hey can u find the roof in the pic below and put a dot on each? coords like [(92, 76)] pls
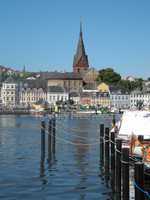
[(61, 76), (74, 94), (10, 80), (80, 56), (38, 83), (55, 89)]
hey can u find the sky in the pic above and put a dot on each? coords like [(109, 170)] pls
[(43, 34)]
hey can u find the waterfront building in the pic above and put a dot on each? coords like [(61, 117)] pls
[(139, 96), (29, 96), (119, 100), (71, 82), (96, 96), (9, 92), (103, 95), (80, 62), (56, 94)]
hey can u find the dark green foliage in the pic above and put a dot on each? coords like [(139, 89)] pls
[(108, 76), (112, 78)]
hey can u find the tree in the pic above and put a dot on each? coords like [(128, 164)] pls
[(108, 76)]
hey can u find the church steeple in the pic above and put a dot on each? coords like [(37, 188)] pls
[(80, 62)]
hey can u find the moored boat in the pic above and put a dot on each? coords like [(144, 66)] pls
[(134, 129)]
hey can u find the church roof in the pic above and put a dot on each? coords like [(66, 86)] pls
[(80, 58), (61, 76)]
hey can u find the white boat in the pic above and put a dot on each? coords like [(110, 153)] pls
[(134, 122), (132, 125)]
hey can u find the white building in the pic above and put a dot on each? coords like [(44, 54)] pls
[(28, 96), (120, 100), (9, 93), (138, 96), (55, 94)]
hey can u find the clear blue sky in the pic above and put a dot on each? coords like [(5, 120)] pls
[(43, 34)]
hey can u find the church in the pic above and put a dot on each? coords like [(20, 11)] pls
[(81, 73)]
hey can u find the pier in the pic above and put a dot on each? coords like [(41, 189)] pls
[(123, 174)]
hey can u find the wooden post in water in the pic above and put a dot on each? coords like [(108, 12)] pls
[(42, 140), (102, 145), (107, 153), (49, 139), (139, 180), (54, 133), (113, 160), (118, 167), (125, 173)]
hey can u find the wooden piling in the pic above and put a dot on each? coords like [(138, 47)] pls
[(118, 167), (53, 134), (125, 173), (102, 145), (49, 139), (107, 153), (42, 140), (139, 180), (112, 160)]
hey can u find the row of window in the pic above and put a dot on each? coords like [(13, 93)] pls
[(120, 105), (8, 86), (7, 93), (120, 97), (57, 98), (140, 95), (9, 98)]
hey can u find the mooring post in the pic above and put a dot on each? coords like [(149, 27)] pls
[(42, 140), (49, 139), (54, 133), (118, 167), (102, 145), (113, 160), (139, 180), (107, 153), (125, 173)]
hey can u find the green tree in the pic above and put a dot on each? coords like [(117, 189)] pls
[(108, 76)]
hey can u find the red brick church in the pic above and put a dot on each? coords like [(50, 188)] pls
[(80, 63)]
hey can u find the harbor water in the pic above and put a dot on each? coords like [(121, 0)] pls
[(74, 173)]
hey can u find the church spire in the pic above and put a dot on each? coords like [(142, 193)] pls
[(80, 59)]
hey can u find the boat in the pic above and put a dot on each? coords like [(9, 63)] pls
[(134, 130)]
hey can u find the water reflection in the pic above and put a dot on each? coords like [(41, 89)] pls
[(81, 151), (73, 176)]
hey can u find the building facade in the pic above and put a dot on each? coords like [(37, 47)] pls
[(119, 100), (28, 96), (69, 81), (56, 94), (139, 96), (9, 93)]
